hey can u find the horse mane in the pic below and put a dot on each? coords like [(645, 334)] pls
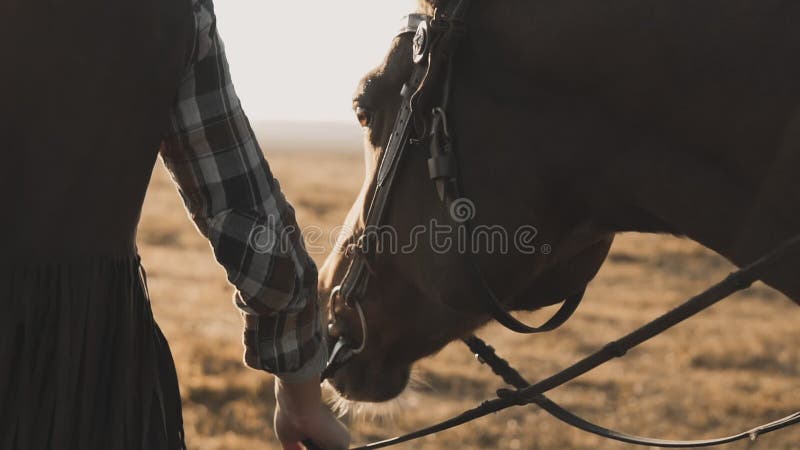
[(427, 6)]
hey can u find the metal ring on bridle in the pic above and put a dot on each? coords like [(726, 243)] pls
[(336, 292), (363, 320)]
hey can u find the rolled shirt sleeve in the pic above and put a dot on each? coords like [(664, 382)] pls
[(232, 197)]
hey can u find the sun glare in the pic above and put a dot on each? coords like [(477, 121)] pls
[(297, 60)]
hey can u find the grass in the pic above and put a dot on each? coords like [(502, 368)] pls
[(731, 368)]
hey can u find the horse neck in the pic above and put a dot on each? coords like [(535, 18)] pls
[(679, 191), (642, 152)]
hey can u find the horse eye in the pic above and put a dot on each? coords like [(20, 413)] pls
[(364, 117)]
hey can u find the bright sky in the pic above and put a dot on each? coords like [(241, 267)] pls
[(301, 60)]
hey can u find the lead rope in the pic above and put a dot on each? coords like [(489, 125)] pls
[(526, 394), (487, 355)]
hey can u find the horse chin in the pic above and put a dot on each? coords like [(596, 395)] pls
[(371, 384), (370, 408)]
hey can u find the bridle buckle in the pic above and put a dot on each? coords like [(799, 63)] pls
[(344, 349), (421, 42)]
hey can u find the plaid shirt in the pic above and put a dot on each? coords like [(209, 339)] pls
[(236, 203)]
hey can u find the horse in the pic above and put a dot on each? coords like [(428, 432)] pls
[(575, 120)]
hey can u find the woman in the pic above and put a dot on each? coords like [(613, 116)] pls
[(97, 87)]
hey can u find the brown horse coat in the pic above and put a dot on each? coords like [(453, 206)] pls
[(585, 119)]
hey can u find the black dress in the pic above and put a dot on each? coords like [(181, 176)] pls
[(87, 88), (82, 363)]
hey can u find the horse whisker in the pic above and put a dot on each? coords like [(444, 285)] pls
[(383, 412)]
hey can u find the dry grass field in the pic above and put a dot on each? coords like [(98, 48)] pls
[(733, 367)]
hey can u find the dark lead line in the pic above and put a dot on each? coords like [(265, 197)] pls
[(526, 394)]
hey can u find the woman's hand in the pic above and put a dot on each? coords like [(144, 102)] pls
[(300, 414)]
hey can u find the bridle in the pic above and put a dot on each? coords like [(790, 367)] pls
[(435, 43)]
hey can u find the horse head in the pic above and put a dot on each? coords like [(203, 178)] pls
[(532, 244)]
